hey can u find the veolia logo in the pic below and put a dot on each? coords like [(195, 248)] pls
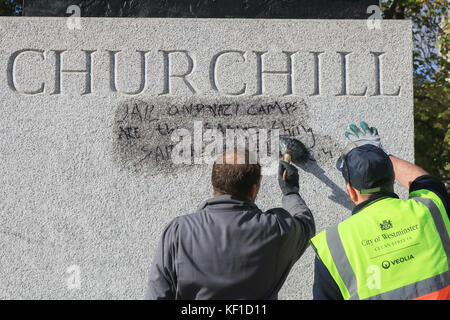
[(386, 264)]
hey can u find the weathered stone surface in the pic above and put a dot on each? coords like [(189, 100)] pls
[(87, 115)]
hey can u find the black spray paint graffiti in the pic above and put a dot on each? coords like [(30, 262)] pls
[(143, 129)]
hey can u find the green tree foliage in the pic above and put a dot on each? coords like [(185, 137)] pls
[(10, 7), (431, 80)]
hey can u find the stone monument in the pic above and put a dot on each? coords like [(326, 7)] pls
[(90, 107)]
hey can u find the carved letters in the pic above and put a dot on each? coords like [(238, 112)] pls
[(258, 61)]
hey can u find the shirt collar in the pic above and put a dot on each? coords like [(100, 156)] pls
[(227, 202), (372, 200)]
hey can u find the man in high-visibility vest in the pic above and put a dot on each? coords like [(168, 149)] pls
[(389, 248)]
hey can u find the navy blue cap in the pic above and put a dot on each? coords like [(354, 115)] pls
[(367, 168)]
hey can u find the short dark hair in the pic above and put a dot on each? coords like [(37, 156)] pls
[(235, 177)]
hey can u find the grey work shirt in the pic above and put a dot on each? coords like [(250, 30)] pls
[(230, 249)]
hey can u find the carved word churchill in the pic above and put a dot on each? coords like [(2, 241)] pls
[(257, 61)]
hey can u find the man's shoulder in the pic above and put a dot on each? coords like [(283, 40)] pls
[(255, 216), (428, 182), (182, 220), (427, 186), (188, 218), (181, 225), (278, 211)]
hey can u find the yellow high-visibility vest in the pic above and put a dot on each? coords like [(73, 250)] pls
[(391, 249)]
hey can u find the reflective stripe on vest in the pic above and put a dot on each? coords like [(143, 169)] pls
[(341, 261), (436, 287)]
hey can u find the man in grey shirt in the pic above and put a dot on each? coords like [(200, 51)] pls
[(229, 248)]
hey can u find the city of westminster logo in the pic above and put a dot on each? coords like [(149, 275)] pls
[(386, 225)]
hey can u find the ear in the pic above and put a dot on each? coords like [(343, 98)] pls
[(255, 189), (254, 192), (352, 193)]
